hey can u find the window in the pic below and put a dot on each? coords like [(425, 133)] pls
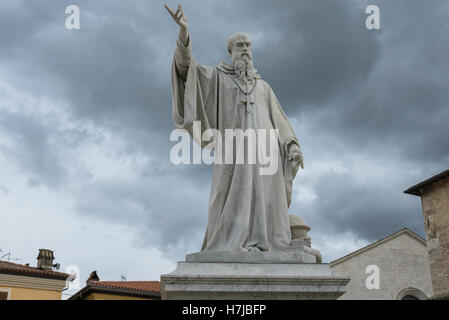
[(409, 297), (4, 295), (411, 294)]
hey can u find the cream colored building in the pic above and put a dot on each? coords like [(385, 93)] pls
[(393, 268), (22, 282)]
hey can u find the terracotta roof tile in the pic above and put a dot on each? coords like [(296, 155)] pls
[(20, 269), (143, 286)]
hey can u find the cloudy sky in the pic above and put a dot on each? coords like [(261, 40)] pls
[(85, 120)]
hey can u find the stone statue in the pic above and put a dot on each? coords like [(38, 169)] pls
[(247, 211)]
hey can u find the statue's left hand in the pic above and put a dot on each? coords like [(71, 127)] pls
[(295, 154)]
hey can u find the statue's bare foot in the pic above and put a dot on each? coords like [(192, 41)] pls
[(253, 249)]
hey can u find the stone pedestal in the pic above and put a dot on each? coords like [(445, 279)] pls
[(292, 255), (265, 276)]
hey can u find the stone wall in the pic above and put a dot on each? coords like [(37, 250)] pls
[(403, 264), (435, 203)]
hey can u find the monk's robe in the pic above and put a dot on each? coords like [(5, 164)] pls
[(246, 209)]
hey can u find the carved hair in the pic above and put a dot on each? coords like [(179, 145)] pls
[(233, 38)]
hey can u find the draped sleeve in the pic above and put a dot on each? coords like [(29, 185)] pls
[(286, 138), (195, 92)]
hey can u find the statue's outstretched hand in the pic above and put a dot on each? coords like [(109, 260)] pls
[(179, 16), (295, 155)]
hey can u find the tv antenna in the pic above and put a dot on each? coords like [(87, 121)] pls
[(2, 256)]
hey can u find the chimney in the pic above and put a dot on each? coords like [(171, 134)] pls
[(45, 259)]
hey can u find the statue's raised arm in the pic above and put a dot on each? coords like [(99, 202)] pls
[(181, 19), (183, 51)]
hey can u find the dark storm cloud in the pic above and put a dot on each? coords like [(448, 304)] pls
[(32, 149), (106, 71), (113, 68), (381, 93), (165, 211), (402, 106), (41, 147), (345, 204)]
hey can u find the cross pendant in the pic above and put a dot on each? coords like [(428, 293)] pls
[(249, 104)]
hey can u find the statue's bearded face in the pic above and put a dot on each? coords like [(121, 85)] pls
[(241, 47), (241, 56)]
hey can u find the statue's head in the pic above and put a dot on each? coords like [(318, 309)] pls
[(239, 44), (239, 48)]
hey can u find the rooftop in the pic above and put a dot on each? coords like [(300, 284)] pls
[(417, 189), (25, 270), (143, 286), (138, 289)]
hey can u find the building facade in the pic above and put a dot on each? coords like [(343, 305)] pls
[(22, 282), (393, 268), (434, 193)]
